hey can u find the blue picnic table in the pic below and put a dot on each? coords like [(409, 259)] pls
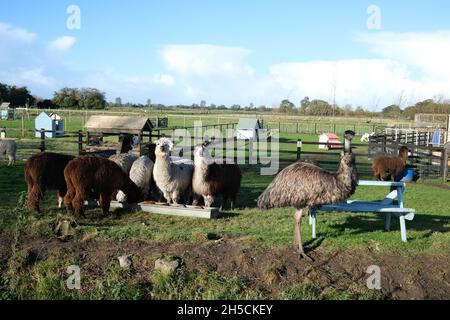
[(384, 206)]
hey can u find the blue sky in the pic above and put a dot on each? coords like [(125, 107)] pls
[(230, 51)]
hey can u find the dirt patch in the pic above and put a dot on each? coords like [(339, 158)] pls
[(271, 270)]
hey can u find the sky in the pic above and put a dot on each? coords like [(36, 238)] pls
[(359, 53)]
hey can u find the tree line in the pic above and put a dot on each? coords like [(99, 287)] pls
[(91, 99)]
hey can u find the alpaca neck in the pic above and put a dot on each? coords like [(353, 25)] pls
[(162, 164)]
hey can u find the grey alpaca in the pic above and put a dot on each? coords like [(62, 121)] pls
[(8, 147)]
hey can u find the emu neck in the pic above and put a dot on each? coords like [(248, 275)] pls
[(345, 175)]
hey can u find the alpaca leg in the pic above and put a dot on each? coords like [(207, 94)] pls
[(195, 200), (209, 200), (105, 202), (33, 198), (78, 201), (61, 194), (298, 235), (167, 197), (175, 197)]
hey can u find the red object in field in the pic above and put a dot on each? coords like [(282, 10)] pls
[(328, 139)]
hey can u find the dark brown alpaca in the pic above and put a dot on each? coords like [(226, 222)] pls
[(385, 168), (304, 185), (45, 171), (211, 179), (87, 176)]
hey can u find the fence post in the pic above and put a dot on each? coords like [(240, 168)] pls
[(80, 142), (42, 146), (297, 127), (444, 164), (299, 149), (315, 128)]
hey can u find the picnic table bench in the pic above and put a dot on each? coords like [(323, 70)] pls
[(385, 206)]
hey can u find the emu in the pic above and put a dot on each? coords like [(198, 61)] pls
[(304, 185)]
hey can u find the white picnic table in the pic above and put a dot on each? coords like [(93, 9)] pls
[(385, 206)]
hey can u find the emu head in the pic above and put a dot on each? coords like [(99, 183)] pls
[(349, 135), (163, 147)]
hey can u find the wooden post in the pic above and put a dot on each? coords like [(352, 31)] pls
[(80, 142), (444, 164), (42, 145), (315, 128), (23, 133), (299, 149), (297, 128)]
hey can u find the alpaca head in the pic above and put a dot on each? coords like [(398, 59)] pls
[(201, 151), (403, 152), (163, 147)]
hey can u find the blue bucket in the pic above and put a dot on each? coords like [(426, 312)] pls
[(407, 175)]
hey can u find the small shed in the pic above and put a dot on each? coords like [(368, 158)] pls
[(6, 113), (248, 129), (328, 138), (125, 127), (52, 123)]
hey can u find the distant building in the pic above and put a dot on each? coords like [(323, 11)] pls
[(52, 123), (6, 113), (248, 129), (328, 138)]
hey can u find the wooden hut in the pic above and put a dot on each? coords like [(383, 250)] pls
[(125, 127)]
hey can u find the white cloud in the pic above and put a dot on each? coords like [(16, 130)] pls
[(27, 77), (204, 60), (62, 44), (9, 34), (428, 52)]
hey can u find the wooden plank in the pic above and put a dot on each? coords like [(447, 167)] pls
[(172, 210)]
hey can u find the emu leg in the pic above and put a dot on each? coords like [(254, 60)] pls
[(298, 235)]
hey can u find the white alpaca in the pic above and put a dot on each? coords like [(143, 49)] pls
[(124, 160), (141, 174), (8, 147), (173, 178), (366, 137)]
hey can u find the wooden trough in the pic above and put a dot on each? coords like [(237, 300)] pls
[(170, 209)]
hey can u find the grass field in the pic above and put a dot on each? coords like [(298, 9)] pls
[(245, 254)]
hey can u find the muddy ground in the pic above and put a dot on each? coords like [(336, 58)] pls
[(402, 277)]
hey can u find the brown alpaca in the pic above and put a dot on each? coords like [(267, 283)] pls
[(385, 168), (45, 171), (87, 176)]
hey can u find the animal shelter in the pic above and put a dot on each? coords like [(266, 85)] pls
[(6, 113), (130, 131), (327, 141), (248, 129), (52, 123)]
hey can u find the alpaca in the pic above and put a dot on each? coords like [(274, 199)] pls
[(124, 160), (87, 176), (8, 147), (304, 185), (211, 179), (174, 179), (385, 167), (141, 174), (45, 171)]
